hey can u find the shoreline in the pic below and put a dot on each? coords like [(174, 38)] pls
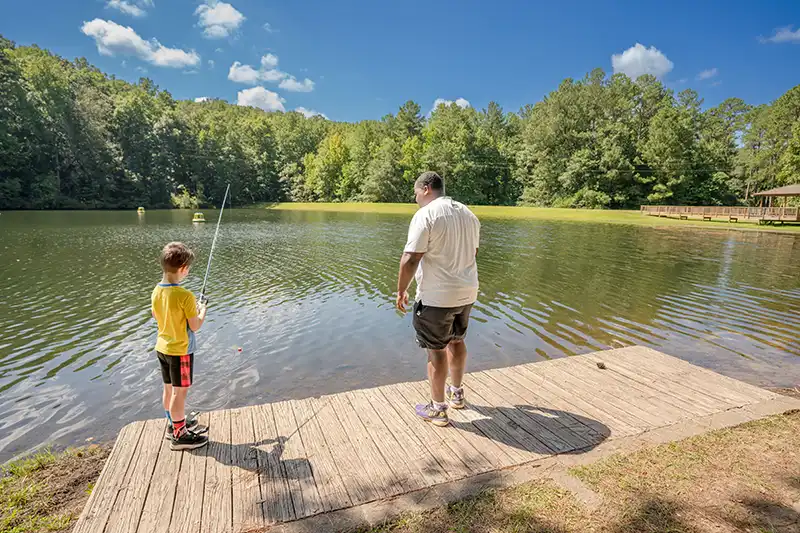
[(554, 214), (599, 216)]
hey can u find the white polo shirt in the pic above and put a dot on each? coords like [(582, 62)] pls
[(448, 233)]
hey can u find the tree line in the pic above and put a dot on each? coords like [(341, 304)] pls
[(73, 137)]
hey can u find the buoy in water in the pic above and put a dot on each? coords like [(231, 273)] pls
[(140, 210), (239, 349), (199, 217)]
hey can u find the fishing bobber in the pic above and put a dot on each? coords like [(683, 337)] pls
[(198, 217)]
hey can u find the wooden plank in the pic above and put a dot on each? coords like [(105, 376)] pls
[(731, 383), (360, 484), (734, 389), (610, 399), (247, 498), (418, 453), (305, 498), (499, 454), (500, 426), (419, 392), (571, 403), (127, 510), (540, 382), (604, 402), (652, 398), (554, 435), (627, 398), (157, 510), (549, 407), (432, 438), (276, 504), (688, 376), (675, 396), (646, 375), (188, 510), (468, 421), (330, 485), (373, 463), (217, 502), (96, 512), (395, 457)]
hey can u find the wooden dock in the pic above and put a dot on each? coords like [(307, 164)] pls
[(763, 215), (289, 460)]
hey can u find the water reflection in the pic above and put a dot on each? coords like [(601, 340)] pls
[(308, 298)]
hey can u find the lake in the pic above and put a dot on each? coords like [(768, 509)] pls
[(309, 299)]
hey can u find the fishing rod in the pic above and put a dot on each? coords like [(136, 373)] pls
[(213, 242)]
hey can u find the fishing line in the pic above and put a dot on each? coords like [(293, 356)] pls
[(213, 242)]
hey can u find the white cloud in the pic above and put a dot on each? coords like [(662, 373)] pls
[(291, 84), (201, 99), (638, 60), (128, 8), (269, 61), (272, 75), (219, 50), (783, 35), (308, 113), (460, 102), (681, 81), (218, 19), (268, 28), (211, 63), (243, 74), (113, 39), (716, 84), (708, 74), (141, 69), (268, 72), (261, 98)]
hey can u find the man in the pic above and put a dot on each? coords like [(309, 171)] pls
[(441, 249)]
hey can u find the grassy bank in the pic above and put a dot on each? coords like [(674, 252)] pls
[(47, 491), (739, 479), (539, 213)]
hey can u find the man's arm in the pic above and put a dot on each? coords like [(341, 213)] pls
[(408, 267)]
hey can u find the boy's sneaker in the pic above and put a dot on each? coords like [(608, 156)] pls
[(191, 425), (188, 441), (429, 413), (455, 397)]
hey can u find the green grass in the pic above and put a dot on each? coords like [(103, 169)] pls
[(606, 216), (45, 491), (742, 478)]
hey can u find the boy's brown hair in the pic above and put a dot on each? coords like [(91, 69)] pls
[(174, 256)]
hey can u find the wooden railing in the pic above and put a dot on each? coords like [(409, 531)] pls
[(782, 214)]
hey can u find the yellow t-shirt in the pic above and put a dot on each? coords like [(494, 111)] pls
[(172, 306)]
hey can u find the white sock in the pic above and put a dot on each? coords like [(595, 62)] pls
[(439, 406)]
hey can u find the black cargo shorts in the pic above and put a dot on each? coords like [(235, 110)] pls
[(436, 327)]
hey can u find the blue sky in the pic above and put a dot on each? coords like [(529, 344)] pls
[(362, 59)]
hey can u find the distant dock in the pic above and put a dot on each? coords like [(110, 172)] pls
[(762, 215), (342, 458)]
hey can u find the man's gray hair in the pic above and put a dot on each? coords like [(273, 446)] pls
[(430, 179)]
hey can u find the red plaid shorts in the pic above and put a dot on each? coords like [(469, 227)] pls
[(177, 370)]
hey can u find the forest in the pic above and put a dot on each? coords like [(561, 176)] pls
[(72, 137)]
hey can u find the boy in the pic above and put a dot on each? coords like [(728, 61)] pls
[(179, 316)]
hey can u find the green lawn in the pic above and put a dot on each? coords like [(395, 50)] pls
[(540, 213), (737, 479)]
